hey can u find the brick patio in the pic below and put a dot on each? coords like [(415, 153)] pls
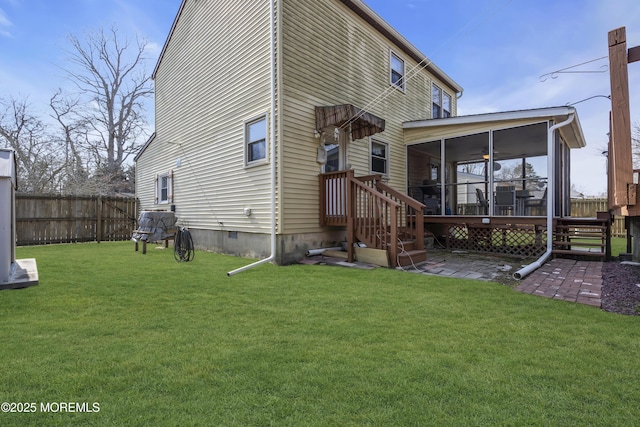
[(566, 279)]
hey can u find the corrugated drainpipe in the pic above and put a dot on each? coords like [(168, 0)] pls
[(551, 197), (272, 141)]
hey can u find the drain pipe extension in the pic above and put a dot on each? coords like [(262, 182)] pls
[(524, 271), (272, 140)]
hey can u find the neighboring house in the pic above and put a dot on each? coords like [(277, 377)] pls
[(287, 125), (236, 80)]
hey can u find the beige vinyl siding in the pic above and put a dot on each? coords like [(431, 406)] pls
[(331, 56), (418, 135), (153, 162), (214, 76)]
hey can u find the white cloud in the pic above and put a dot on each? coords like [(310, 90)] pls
[(4, 22), (153, 48)]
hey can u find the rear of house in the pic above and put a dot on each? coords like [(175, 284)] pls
[(326, 84)]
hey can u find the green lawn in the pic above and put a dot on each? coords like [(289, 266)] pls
[(618, 246), (154, 342)]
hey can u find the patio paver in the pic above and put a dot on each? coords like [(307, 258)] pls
[(559, 278), (567, 280)]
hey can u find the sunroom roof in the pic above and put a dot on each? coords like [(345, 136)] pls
[(451, 127)]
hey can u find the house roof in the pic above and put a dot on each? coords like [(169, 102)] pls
[(144, 147), (166, 42), (572, 134), (373, 19)]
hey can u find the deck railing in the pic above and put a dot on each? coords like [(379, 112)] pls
[(334, 197)]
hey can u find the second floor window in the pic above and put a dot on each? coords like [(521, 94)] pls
[(397, 70), (440, 103), (446, 105)]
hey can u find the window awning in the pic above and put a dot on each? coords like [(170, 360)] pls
[(363, 124)]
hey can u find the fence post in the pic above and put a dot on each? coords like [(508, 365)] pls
[(99, 219)]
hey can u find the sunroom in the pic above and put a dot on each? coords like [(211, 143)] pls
[(503, 176)]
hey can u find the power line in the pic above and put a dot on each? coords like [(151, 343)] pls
[(554, 74), (422, 64)]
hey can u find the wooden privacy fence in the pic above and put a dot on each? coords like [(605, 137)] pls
[(588, 208), (44, 219)]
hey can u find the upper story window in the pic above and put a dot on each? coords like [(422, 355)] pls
[(446, 105), (379, 157), (255, 135), (440, 103), (397, 72)]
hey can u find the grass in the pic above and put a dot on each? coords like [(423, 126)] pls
[(156, 342), (618, 246)]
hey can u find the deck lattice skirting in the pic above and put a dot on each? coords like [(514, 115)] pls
[(518, 240)]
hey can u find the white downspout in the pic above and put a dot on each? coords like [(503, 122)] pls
[(551, 197), (272, 140)]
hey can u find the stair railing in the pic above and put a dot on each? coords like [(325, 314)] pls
[(411, 218), (374, 220), (373, 212)]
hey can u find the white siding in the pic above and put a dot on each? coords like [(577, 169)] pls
[(214, 75)]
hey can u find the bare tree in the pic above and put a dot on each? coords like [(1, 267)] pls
[(112, 83), (73, 130), (40, 168)]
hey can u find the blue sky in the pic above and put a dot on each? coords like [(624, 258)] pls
[(495, 49)]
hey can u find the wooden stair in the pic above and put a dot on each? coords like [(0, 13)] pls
[(409, 255), (581, 237), (373, 213)]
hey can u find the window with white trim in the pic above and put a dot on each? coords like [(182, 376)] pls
[(164, 188), (446, 105), (397, 71), (379, 157), (440, 103), (255, 136)]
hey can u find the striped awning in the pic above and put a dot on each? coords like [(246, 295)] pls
[(363, 124)]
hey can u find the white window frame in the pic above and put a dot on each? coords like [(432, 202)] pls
[(436, 100), (439, 101), (159, 187), (386, 158), (403, 76), (248, 143)]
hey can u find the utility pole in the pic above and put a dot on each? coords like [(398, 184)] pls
[(621, 188)]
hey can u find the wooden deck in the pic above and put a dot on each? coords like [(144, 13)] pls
[(524, 237), (383, 218)]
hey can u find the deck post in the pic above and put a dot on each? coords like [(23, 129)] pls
[(620, 166), (351, 208), (634, 223)]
